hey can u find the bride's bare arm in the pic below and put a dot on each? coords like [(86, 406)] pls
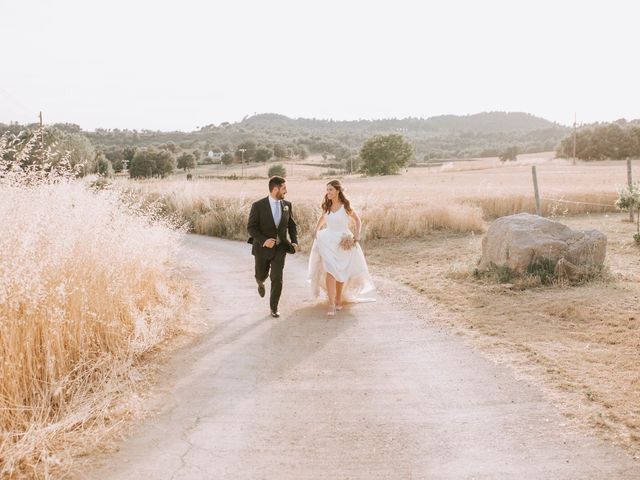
[(321, 221), (356, 219)]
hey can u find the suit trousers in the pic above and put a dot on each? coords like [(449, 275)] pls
[(272, 268)]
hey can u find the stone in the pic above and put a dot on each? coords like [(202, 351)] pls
[(516, 241)]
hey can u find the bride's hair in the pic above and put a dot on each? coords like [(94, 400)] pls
[(326, 205)]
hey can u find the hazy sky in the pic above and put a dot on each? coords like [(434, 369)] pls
[(183, 64)]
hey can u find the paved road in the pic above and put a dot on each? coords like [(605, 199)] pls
[(373, 394)]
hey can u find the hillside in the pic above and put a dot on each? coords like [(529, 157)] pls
[(481, 134)]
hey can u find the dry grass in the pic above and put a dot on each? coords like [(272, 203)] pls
[(581, 343), (226, 216), (86, 288), (454, 196)]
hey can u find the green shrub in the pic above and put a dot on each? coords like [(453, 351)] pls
[(543, 268), (504, 274), (277, 170)]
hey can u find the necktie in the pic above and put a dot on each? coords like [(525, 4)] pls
[(278, 213)]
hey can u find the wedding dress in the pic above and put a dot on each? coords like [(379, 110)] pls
[(348, 266)]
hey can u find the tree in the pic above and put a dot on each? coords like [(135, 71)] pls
[(115, 156), (165, 163), (263, 154), (142, 165), (103, 166), (78, 147), (510, 153), (186, 161), (249, 154), (150, 162), (280, 151), (227, 158), (617, 141), (302, 152), (385, 154), (171, 146), (277, 170), (128, 153)]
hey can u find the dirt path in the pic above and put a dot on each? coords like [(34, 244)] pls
[(374, 393)]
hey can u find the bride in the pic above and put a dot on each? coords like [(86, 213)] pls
[(336, 258)]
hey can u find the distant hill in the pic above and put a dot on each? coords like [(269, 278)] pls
[(486, 122), (444, 136)]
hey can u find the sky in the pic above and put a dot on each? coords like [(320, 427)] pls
[(184, 64)]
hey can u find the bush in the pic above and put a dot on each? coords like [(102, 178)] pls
[(509, 154), (629, 199), (504, 274), (543, 268), (227, 159), (277, 170)]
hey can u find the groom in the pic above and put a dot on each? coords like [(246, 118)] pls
[(269, 220)]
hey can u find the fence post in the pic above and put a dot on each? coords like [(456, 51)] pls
[(630, 182), (535, 189)]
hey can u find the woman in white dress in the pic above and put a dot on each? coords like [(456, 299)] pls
[(337, 263)]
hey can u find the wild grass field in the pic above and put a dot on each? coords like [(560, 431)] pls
[(88, 286), (456, 196), (423, 228)]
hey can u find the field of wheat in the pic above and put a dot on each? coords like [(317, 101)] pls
[(87, 286)]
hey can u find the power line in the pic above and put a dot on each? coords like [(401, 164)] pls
[(30, 112)]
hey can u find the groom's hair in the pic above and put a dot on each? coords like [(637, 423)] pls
[(275, 182)]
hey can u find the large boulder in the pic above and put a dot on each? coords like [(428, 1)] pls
[(516, 241)]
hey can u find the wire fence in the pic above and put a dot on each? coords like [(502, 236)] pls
[(560, 200)]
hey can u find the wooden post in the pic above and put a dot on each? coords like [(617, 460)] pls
[(41, 132), (574, 138), (630, 182), (535, 189)]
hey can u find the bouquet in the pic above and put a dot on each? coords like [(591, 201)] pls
[(347, 242)]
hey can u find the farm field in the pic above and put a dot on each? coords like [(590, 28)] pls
[(486, 182)]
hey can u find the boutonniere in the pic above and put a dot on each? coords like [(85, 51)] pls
[(285, 208)]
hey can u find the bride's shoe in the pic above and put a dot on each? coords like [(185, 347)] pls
[(332, 311)]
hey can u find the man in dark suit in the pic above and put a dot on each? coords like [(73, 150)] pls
[(269, 221)]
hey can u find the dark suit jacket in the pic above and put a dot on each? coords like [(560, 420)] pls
[(262, 227)]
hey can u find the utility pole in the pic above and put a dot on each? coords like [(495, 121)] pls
[(41, 132), (574, 138)]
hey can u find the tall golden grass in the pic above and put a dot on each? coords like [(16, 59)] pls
[(227, 217), (86, 287)]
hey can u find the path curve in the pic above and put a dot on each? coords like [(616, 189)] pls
[(375, 393)]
